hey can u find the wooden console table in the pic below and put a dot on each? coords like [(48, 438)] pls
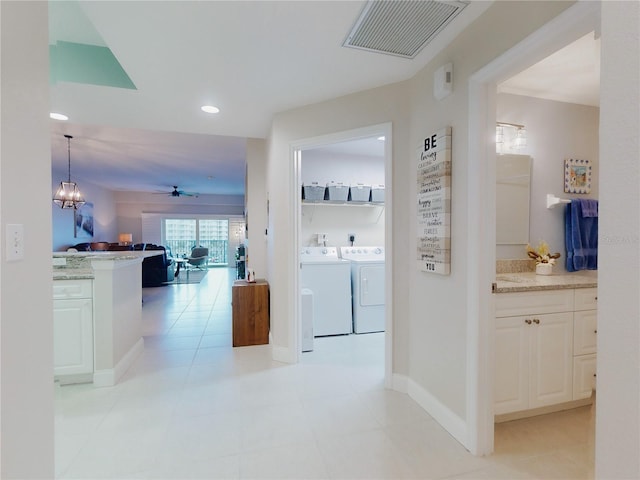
[(250, 303)]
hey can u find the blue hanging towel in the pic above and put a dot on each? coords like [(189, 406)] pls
[(581, 235)]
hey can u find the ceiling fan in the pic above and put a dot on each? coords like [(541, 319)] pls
[(179, 193)]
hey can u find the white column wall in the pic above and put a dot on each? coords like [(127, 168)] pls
[(618, 376), (256, 206), (26, 303)]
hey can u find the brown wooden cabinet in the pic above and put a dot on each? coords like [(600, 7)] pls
[(250, 303)]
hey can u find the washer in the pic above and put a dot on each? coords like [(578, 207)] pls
[(367, 285), (329, 278)]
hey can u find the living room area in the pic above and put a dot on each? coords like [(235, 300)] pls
[(193, 233)]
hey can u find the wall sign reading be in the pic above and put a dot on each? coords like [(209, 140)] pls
[(430, 142), (434, 203)]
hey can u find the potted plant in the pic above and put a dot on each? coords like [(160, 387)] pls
[(544, 259)]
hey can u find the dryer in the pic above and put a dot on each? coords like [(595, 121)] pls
[(329, 278), (367, 287)]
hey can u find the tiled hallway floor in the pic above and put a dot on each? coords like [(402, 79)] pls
[(194, 407)]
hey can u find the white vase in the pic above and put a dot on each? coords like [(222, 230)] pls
[(544, 268)]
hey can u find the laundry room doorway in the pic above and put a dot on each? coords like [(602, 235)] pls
[(343, 180)]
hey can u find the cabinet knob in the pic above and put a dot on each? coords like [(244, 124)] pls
[(536, 321), (527, 321), (595, 331)]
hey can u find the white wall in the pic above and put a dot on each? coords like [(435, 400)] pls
[(618, 406), (323, 168), (131, 205), (256, 206), (555, 131), (367, 223), (429, 311), (104, 215), (371, 107), (26, 304), (438, 309)]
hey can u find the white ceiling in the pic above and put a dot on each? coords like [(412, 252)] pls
[(570, 75), (250, 58)]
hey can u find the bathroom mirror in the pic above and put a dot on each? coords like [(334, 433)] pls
[(513, 181)]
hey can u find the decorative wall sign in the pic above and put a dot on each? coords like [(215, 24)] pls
[(577, 176), (434, 203)]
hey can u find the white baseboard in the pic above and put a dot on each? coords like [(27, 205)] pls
[(283, 354), (451, 422), (109, 376), (400, 383)]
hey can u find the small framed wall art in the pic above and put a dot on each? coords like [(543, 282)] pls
[(577, 176)]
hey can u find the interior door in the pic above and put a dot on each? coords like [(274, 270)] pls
[(371, 285)]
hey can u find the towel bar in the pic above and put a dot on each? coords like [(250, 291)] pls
[(552, 200)]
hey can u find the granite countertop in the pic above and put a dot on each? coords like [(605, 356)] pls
[(530, 281), (79, 265), (72, 273)]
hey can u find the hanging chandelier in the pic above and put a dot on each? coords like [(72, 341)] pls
[(68, 194)]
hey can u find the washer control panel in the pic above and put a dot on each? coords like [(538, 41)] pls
[(319, 253)]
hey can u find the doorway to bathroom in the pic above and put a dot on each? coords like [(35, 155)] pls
[(576, 22)]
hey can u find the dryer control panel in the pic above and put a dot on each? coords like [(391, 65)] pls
[(362, 253)]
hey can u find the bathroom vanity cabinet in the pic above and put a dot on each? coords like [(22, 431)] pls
[(545, 349)]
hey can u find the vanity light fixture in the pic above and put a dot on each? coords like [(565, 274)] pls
[(68, 194), (520, 140)]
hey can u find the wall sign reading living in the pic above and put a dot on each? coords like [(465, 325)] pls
[(434, 203)]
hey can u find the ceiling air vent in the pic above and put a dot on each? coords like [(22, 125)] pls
[(400, 27)]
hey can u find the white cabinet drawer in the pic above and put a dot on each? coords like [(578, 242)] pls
[(585, 326), (72, 289), (586, 298), (529, 303)]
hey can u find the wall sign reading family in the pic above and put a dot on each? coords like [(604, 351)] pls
[(434, 203)]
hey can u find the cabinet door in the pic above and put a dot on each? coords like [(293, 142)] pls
[(511, 387), (551, 362), (73, 336), (584, 376), (586, 298), (585, 325)]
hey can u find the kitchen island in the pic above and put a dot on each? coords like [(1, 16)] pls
[(97, 314)]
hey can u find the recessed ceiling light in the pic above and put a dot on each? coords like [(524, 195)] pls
[(209, 109), (58, 116)]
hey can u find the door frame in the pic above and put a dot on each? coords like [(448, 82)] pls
[(576, 21), (295, 155)]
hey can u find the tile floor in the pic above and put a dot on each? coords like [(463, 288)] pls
[(194, 407)]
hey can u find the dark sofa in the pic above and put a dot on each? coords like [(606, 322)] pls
[(156, 270)]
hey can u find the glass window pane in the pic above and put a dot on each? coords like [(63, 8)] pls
[(214, 234), (180, 235)]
